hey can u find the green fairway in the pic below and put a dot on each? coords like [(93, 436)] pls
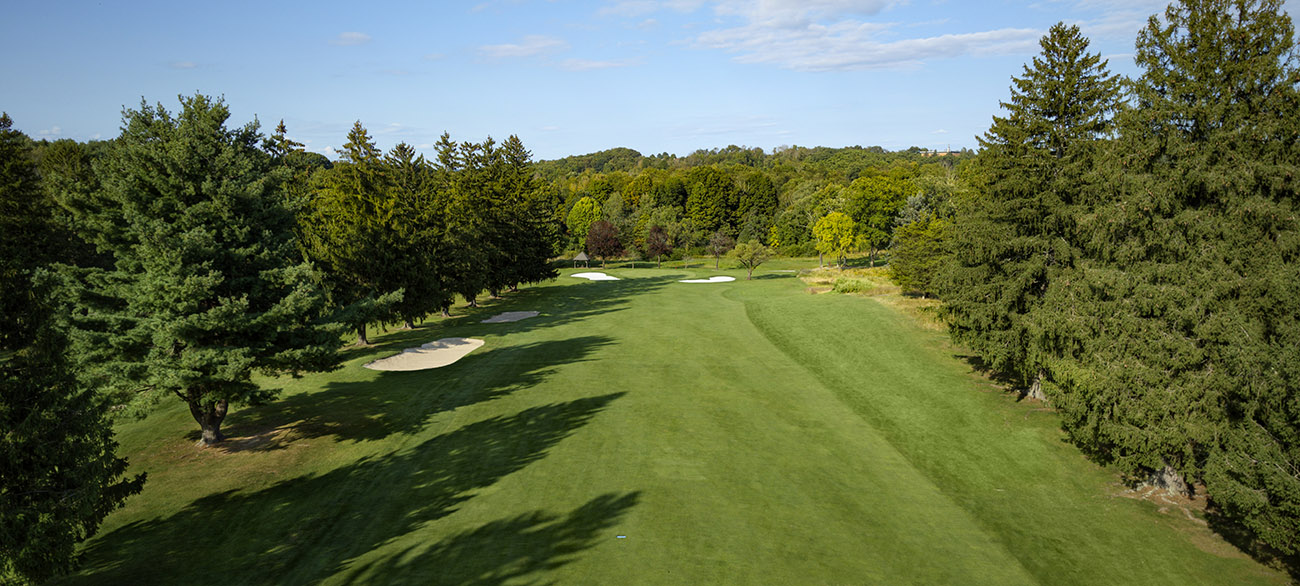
[(646, 431)]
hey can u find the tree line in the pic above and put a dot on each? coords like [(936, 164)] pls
[(1131, 254), (800, 201)]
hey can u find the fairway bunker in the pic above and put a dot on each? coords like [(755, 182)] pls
[(509, 316), (435, 354), (594, 276), (718, 279)]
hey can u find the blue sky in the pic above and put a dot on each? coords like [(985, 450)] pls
[(567, 77)]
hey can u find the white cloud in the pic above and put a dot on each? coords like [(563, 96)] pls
[(588, 65), (95, 136), (527, 47), (842, 35), (348, 39), (940, 131), (854, 45), (1120, 19), (183, 65), (52, 131)]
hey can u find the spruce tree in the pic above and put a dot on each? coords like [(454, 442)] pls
[(345, 232), (1194, 369), (208, 285), (1013, 240)]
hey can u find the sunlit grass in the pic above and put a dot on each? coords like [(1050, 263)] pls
[(646, 431)]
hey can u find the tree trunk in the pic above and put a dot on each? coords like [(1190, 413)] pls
[(821, 260), (751, 274), (409, 324), (362, 340), (472, 300), (514, 288), (446, 312), (1036, 388), (872, 256), (659, 263), (209, 418)]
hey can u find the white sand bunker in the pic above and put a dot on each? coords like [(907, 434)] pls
[(594, 276), (709, 280), (432, 355), (509, 316)]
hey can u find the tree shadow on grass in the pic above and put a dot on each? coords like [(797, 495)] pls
[(305, 529), (1005, 382), (400, 402), (503, 551)]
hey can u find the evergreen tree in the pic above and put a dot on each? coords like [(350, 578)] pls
[(61, 476), (531, 209), (413, 236), (209, 286), (920, 249), (1013, 240), (346, 232), (1192, 366)]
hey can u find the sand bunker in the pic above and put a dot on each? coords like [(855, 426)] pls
[(432, 355), (709, 280), (509, 316), (594, 276)]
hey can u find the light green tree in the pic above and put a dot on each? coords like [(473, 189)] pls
[(834, 234), (584, 213)]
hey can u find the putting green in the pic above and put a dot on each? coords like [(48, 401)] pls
[(645, 432)]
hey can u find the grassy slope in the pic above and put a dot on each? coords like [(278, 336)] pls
[(734, 433)]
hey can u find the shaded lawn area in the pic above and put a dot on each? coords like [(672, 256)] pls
[(645, 431)]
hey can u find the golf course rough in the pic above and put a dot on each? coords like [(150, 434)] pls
[(741, 433)]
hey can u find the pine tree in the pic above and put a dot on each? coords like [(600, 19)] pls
[(209, 285), (1013, 241)]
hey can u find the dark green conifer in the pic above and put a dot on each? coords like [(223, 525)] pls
[(1013, 239), (61, 476), (1194, 369), (208, 284)]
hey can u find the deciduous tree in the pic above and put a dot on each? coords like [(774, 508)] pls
[(719, 244), (603, 241), (835, 233), (750, 255)]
